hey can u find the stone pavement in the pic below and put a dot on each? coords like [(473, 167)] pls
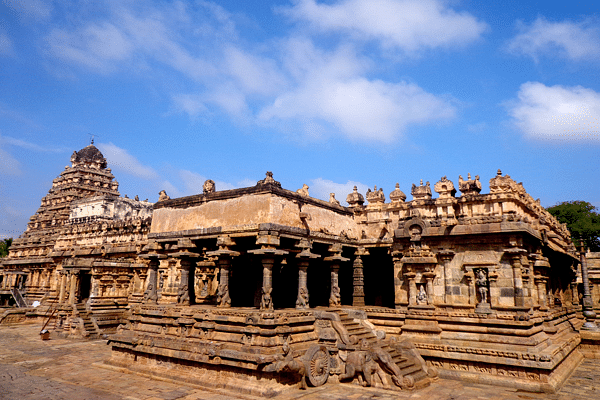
[(32, 369)]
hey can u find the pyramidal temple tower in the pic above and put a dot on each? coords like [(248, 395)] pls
[(86, 177)]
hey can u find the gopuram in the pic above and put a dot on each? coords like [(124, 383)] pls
[(261, 288)]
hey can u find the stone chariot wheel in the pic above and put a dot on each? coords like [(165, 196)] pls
[(317, 362)]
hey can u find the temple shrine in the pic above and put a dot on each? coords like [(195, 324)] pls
[(262, 289)]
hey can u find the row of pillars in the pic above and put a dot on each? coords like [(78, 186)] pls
[(70, 280), (269, 255)]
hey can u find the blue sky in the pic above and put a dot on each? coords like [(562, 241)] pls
[(328, 93)]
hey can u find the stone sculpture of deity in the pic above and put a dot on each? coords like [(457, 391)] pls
[(422, 295), (482, 281)]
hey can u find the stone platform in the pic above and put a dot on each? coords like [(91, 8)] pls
[(264, 352), (32, 369)]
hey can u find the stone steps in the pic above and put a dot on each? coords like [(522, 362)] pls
[(407, 365), (89, 329)]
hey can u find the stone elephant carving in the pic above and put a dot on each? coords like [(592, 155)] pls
[(359, 361)]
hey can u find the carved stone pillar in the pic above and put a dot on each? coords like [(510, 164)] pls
[(541, 292), (588, 309), (358, 294), (429, 276), (224, 256), (470, 278), (268, 253), (515, 259), (302, 299), (151, 292), (400, 295), (46, 278), (445, 256), (205, 272), (184, 294), (62, 288), (335, 299), (266, 302), (94, 281), (74, 285), (304, 258), (412, 288), (223, 299)]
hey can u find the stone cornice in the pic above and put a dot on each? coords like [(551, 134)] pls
[(198, 199)]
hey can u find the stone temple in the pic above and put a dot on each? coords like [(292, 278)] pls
[(260, 288)]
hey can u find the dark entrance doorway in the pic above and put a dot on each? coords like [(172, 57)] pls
[(85, 285), (378, 270)]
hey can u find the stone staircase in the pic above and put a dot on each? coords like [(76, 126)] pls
[(363, 337), (88, 327), (16, 293)]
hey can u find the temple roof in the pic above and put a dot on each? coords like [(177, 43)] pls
[(89, 154)]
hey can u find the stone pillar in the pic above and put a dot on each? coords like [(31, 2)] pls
[(304, 258), (515, 259), (574, 294), (151, 293), (541, 291), (94, 281), (412, 288), (203, 277), (335, 298), (358, 294), (45, 276), (224, 256), (588, 307), (266, 302), (470, 277), (268, 253), (183, 293), (429, 276), (399, 292), (223, 299), (35, 279), (73, 289), (302, 300), (62, 287), (445, 257)]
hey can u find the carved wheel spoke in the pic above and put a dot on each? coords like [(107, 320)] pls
[(317, 362)]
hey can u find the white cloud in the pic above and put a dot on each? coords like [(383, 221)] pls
[(6, 46), (557, 111), (29, 146), (194, 183), (149, 34), (571, 40), (321, 188), (246, 183), (288, 83), (409, 25), (191, 104), (36, 9), (332, 92), (121, 160), (96, 46), (8, 164), (255, 75)]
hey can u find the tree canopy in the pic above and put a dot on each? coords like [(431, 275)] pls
[(4, 245), (582, 220)]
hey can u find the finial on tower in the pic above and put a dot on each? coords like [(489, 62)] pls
[(92, 138)]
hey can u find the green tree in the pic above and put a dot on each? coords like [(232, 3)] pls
[(4, 245), (582, 220)]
